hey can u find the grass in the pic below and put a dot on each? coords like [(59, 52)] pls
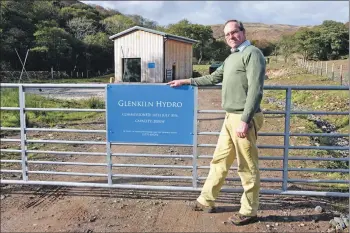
[(200, 70), (9, 98), (100, 79)]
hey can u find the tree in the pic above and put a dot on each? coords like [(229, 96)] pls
[(17, 30), (81, 27), (143, 22), (335, 39), (99, 51), (117, 23), (218, 51), (44, 10), (203, 34), (323, 42), (53, 44), (68, 13), (286, 46), (265, 46)]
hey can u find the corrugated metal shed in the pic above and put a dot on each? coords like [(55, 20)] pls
[(146, 55)]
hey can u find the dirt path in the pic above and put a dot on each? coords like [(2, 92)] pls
[(67, 93), (68, 209)]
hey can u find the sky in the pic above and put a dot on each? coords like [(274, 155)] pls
[(300, 13)]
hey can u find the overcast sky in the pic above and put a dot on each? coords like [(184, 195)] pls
[(217, 12)]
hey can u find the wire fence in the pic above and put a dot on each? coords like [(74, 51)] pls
[(335, 72), (15, 76)]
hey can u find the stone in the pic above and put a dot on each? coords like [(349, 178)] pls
[(318, 209), (93, 219)]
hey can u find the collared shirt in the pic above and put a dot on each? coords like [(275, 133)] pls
[(241, 47)]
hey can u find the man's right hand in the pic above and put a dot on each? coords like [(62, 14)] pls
[(180, 82)]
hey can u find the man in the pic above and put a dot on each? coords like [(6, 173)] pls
[(242, 75)]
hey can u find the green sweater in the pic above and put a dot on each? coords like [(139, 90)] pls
[(242, 75)]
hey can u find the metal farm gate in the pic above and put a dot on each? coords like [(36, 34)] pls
[(107, 166)]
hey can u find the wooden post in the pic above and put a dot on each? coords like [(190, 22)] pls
[(326, 68), (321, 68), (51, 72), (341, 75), (313, 68), (333, 71)]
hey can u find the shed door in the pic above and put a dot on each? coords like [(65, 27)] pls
[(174, 72), (131, 69)]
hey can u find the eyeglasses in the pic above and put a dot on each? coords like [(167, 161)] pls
[(232, 33)]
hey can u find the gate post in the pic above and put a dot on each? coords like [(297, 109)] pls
[(22, 115), (286, 138), (195, 143), (108, 145)]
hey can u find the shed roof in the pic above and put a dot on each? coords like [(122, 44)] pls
[(170, 36)]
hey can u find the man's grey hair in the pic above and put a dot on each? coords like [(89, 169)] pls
[(241, 27)]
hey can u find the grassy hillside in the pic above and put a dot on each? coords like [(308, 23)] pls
[(258, 31)]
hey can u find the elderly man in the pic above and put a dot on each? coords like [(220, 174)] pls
[(242, 76)]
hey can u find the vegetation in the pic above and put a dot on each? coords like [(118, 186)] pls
[(328, 41), (9, 98), (74, 37)]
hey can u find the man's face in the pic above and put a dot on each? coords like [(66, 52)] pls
[(233, 35)]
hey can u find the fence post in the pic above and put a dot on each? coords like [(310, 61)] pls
[(286, 138), (341, 75), (326, 68), (313, 68), (51, 72), (333, 71), (321, 68)]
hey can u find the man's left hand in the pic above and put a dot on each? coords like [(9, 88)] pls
[(242, 129)]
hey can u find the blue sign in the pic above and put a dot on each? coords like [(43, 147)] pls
[(151, 65), (147, 113)]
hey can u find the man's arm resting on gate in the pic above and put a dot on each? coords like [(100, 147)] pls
[(211, 79)]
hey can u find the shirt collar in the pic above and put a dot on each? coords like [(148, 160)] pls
[(241, 47)]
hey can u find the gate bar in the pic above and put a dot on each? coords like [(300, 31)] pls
[(171, 188), (286, 139), (195, 151)]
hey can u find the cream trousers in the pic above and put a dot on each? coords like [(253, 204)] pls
[(230, 147)]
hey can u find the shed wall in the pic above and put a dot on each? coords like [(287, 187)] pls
[(180, 54), (144, 45)]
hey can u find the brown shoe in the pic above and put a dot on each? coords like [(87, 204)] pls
[(196, 206), (241, 220)]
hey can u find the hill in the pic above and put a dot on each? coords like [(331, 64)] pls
[(259, 31)]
